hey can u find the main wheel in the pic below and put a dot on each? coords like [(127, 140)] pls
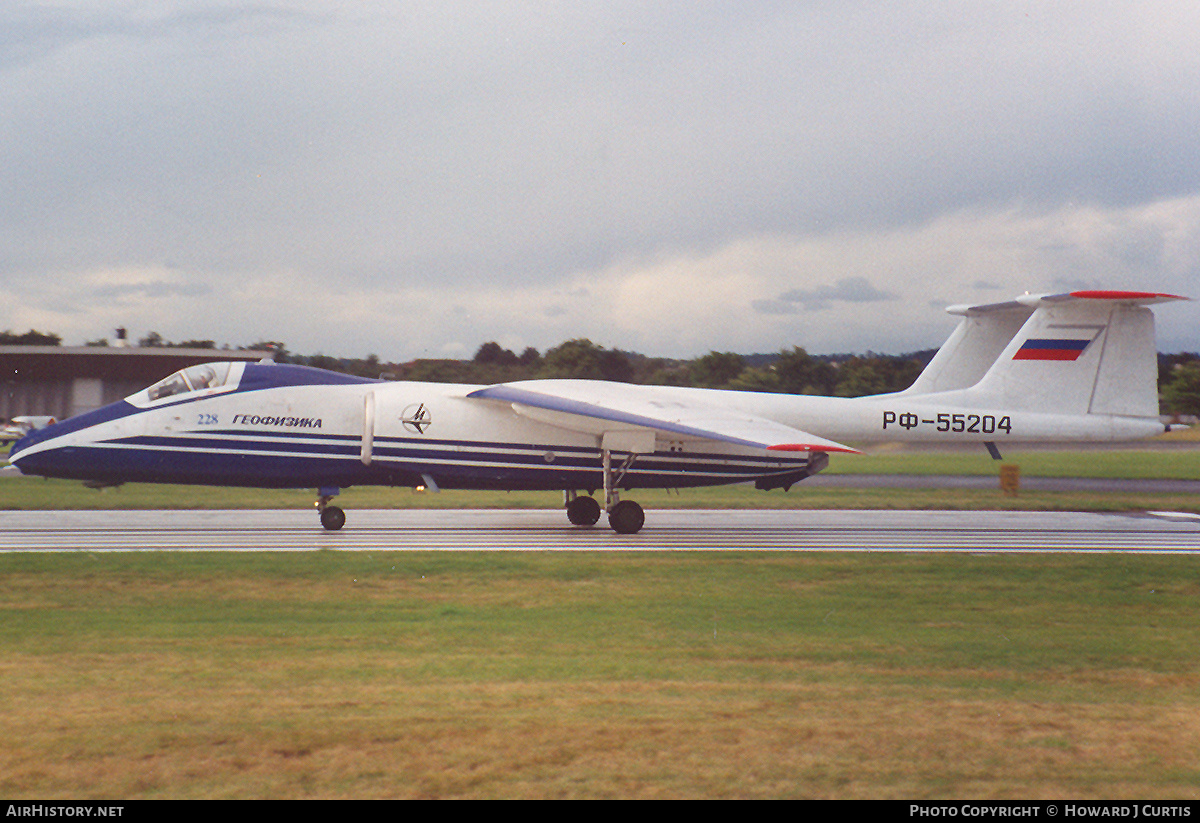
[(583, 511), (332, 518), (626, 517)]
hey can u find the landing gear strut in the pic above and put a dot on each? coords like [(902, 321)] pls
[(332, 517), (625, 516)]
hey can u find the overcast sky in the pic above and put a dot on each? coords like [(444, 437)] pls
[(412, 179)]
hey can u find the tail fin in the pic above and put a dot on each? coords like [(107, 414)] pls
[(1084, 352), (971, 349)]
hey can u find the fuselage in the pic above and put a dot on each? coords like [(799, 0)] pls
[(292, 427), (295, 427)]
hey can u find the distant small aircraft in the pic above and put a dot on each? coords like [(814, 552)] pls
[(22, 424), (1078, 366)]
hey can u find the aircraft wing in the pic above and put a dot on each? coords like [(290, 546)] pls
[(598, 407)]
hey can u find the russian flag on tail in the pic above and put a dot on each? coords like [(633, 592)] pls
[(1044, 349)]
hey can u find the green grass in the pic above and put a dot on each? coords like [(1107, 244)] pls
[(574, 675), (577, 675), (1180, 462)]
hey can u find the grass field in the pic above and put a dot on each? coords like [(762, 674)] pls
[(578, 675)]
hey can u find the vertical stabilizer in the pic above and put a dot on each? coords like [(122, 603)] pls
[(1127, 382), (971, 349), (1078, 353)]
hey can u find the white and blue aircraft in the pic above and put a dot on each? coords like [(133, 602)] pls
[(1079, 366)]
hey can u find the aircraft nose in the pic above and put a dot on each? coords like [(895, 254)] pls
[(59, 450), (14, 454), (20, 457), (18, 444)]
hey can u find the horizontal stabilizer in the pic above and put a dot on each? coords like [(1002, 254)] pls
[(598, 407), (1033, 301)]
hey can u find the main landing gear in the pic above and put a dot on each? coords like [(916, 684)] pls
[(582, 511), (625, 516), (332, 517)]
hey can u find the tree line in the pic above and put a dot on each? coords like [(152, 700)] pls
[(792, 371)]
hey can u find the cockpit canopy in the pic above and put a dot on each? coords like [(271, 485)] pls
[(202, 379)]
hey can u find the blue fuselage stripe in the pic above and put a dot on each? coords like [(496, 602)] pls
[(300, 460)]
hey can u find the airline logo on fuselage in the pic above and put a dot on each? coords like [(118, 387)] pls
[(277, 420), (416, 418)]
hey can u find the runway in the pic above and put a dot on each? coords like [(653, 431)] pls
[(548, 530)]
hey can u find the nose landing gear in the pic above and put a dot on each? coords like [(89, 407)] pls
[(332, 517)]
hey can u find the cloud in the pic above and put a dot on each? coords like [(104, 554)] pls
[(133, 293), (848, 289), (32, 32), (731, 177), (678, 303)]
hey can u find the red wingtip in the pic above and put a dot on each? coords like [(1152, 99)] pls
[(808, 447)]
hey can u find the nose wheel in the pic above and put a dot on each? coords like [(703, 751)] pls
[(332, 517)]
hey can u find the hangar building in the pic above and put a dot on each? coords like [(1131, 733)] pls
[(62, 381)]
